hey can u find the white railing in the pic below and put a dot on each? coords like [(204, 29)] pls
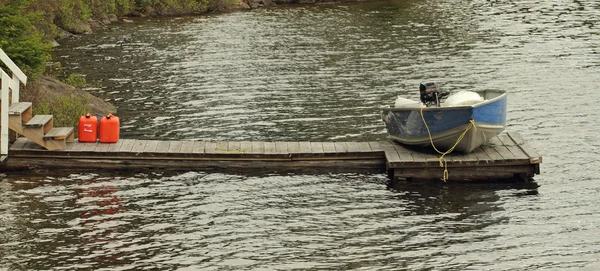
[(8, 84)]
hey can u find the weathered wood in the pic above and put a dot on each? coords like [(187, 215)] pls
[(126, 145), (340, 147), (198, 147), (19, 108), (316, 147), (281, 147), (466, 173), (305, 147), (534, 157), (293, 147), (113, 147), (513, 147), (163, 147), (500, 148), (138, 147), (328, 147), (246, 147), (89, 146), (175, 147), (38, 121), (363, 147), (151, 146), (59, 133), (18, 144), (187, 146), (258, 147), (211, 147), (270, 148), (375, 146), (501, 159)]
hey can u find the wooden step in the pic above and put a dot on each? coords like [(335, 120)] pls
[(60, 133), (19, 108), (38, 121), (19, 113)]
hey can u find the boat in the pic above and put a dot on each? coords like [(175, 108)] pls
[(460, 121)]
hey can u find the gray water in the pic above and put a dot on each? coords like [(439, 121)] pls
[(319, 73)]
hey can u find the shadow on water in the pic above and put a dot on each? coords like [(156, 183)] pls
[(436, 197)]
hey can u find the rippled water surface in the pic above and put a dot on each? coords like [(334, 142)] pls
[(319, 73)]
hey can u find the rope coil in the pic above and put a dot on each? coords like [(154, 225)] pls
[(443, 162)]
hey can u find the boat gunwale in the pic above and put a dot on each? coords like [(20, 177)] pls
[(503, 95)]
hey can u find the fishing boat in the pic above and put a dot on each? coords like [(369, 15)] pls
[(460, 121)]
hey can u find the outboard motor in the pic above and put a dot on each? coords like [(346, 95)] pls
[(430, 94)]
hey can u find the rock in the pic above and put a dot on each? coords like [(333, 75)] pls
[(241, 4), (62, 34), (113, 18), (127, 21), (94, 24), (55, 43), (104, 20), (80, 27), (50, 88)]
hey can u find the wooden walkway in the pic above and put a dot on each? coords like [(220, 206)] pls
[(506, 156)]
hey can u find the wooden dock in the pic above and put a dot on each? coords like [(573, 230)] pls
[(505, 156)]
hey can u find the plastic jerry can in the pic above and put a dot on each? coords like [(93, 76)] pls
[(88, 128), (109, 129)]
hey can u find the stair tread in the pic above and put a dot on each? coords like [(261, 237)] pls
[(18, 108), (59, 133), (38, 120)]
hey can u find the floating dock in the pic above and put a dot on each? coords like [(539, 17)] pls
[(505, 156)]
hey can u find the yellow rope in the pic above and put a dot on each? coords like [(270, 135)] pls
[(443, 162)]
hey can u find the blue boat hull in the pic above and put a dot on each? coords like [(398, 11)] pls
[(447, 124)]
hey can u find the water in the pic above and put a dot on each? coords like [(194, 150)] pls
[(319, 73)]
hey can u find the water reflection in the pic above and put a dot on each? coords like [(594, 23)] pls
[(219, 221)]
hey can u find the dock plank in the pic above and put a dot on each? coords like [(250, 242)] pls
[(89, 146), (513, 147), (18, 144), (317, 147), (246, 147), (534, 157), (162, 146), (305, 147), (258, 147), (127, 145), (481, 155), (340, 147), (175, 147), (281, 147), (151, 146), (112, 147), (198, 147), (211, 147), (375, 146), (328, 147), (270, 148), (234, 147), (187, 146), (139, 146), (352, 147), (364, 147), (501, 149), (222, 147), (293, 147)]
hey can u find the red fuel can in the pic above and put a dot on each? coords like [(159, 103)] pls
[(88, 128), (109, 129)]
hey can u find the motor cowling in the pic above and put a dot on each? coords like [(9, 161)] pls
[(430, 93)]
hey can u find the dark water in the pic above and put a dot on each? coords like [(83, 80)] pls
[(319, 73)]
